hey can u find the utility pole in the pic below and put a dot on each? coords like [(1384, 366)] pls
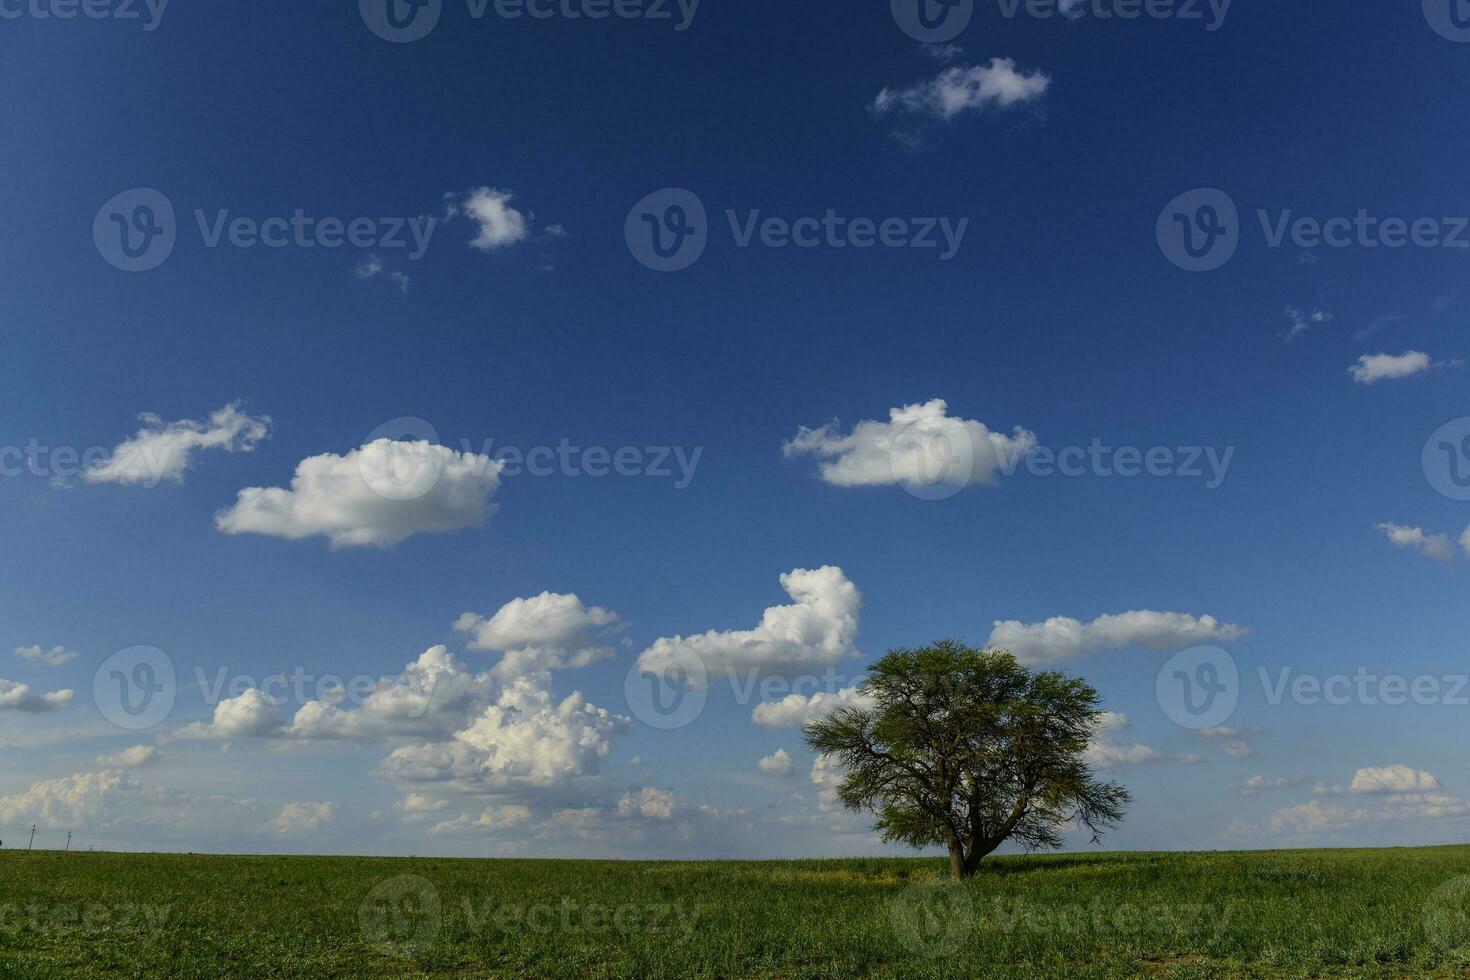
[(68, 841), (33, 836)]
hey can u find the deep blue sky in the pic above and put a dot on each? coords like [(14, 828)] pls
[(1059, 314)]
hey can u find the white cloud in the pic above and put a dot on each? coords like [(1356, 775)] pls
[(544, 632), (250, 715), (650, 803), (418, 804), (377, 495), (1106, 753), (1393, 779), (1230, 740), (85, 799), (500, 224), (1372, 368), (54, 657), (826, 776), (778, 763), (1260, 784), (1064, 638), (917, 444), (797, 710), (1465, 541), (1302, 321), (131, 758), (526, 739), (1435, 546), (299, 817), (15, 696), (492, 818), (162, 450), (435, 695), (818, 629), (966, 89)]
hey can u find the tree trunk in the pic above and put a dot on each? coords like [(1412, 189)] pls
[(957, 862)]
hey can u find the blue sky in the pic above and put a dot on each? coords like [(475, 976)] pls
[(528, 321)]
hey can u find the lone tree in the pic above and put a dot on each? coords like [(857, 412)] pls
[(967, 749)]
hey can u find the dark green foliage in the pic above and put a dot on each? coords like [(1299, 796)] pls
[(966, 749)]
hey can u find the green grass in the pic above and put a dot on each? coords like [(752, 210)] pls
[(1381, 913)]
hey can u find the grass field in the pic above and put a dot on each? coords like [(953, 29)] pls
[(1381, 913)]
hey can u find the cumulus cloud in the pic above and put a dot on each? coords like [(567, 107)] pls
[(163, 450), (500, 224), (918, 446), (1434, 546), (817, 629), (1372, 368), (1064, 638), (15, 696), (1105, 752), (1231, 740), (55, 657), (1260, 784), (1393, 779), (300, 817), (544, 632), (526, 739), (249, 715), (778, 763), (961, 89), (435, 695), (131, 758), (493, 818), (377, 495), (649, 803), (797, 710), (87, 799)]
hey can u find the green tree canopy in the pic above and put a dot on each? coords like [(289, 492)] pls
[(967, 749)]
